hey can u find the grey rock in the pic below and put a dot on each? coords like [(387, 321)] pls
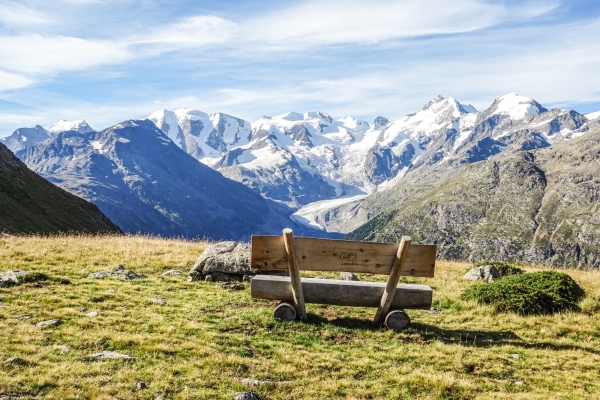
[(486, 273), (172, 272), (122, 274), (232, 286), (348, 276), (516, 356), (231, 258), (52, 322), (23, 317), (246, 396), (11, 278), (63, 347), (120, 267), (111, 291), (141, 385), (158, 300), (109, 355), (92, 314), (17, 361), (208, 278)]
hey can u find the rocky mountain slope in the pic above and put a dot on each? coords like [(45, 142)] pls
[(540, 206), (145, 183), (31, 204)]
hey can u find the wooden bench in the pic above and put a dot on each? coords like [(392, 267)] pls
[(286, 253)]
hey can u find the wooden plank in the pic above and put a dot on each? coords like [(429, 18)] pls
[(296, 285), (268, 254), (390, 289), (341, 293)]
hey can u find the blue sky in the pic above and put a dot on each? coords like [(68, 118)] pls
[(106, 61)]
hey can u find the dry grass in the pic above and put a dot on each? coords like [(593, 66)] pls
[(205, 337)]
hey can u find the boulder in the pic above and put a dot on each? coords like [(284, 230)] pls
[(485, 273), (246, 396), (223, 260)]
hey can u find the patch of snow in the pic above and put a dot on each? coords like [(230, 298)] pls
[(593, 115)]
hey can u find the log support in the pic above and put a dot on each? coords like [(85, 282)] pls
[(392, 283), (290, 248)]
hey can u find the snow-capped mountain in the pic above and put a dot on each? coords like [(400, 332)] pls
[(63, 126), (25, 137), (145, 183), (323, 166)]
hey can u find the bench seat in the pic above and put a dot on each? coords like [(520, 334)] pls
[(341, 292)]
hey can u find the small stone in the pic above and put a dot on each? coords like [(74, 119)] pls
[(63, 347), (232, 286), (519, 383), (52, 322), (434, 311), (110, 291), (23, 317), (110, 355), (208, 278), (15, 361), (516, 356), (246, 396), (141, 385), (158, 300), (120, 267), (348, 276), (172, 272), (83, 309), (122, 274), (247, 278), (92, 314)]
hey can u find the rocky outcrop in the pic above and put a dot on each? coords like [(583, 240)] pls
[(120, 273), (223, 261), (486, 273)]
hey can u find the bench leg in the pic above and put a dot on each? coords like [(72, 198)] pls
[(290, 248), (392, 283), (397, 320), (285, 312)]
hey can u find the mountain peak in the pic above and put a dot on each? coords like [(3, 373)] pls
[(516, 107), (78, 125)]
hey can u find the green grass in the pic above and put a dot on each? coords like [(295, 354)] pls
[(205, 338)]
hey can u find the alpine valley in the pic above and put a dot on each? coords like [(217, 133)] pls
[(515, 182)]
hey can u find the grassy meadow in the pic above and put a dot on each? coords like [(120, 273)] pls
[(206, 340)]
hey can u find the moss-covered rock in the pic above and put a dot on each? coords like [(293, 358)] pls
[(536, 293)]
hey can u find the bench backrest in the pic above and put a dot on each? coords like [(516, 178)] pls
[(269, 254)]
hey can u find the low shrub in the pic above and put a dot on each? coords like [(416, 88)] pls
[(536, 293), (504, 269)]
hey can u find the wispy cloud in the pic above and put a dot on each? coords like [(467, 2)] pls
[(13, 13)]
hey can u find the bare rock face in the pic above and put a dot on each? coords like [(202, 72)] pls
[(223, 260), (487, 273), (246, 396)]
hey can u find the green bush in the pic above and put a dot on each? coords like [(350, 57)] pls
[(543, 292), (504, 269)]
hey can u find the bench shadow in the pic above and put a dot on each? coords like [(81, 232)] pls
[(464, 337)]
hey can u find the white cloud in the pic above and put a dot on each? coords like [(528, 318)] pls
[(45, 54), (10, 81), (13, 13)]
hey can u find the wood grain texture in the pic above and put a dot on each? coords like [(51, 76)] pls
[(296, 285), (397, 320), (390, 289), (268, 254), (285, 312), (341, 293)]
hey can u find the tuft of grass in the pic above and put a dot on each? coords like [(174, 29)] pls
[(544, 292), (206, 339)]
